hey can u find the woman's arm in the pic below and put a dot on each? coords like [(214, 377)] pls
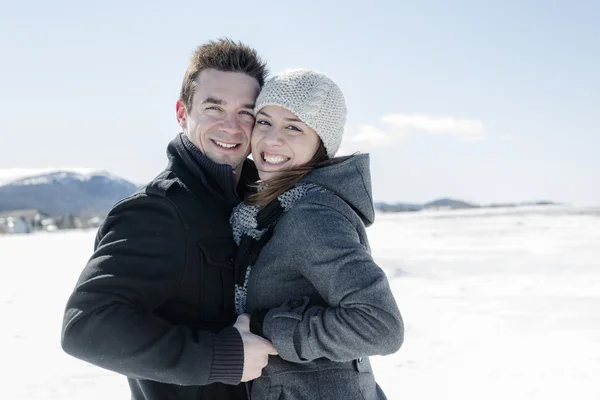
[(362, 319)]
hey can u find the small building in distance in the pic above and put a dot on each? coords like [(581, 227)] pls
[(25, 221)]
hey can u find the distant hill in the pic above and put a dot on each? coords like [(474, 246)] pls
[(65, 192), (449, 203), (444, 203), (398, 207), (86, 192)]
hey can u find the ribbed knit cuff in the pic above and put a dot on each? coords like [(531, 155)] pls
[(228, 357)]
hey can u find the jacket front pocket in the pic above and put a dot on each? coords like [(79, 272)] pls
[(275, 393), (339, 384), (216, 279)]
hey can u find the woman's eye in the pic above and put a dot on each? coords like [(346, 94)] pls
[(263, 122), (294, 128)]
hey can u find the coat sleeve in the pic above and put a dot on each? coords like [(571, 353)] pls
[(362, 318), (109, 320)]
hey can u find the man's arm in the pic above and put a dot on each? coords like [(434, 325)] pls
[(109, 319)]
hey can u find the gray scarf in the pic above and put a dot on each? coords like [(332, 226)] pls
[(252, 227)]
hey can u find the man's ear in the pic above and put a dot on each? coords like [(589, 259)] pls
[(181, 114)]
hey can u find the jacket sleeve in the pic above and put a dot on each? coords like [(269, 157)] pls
[(109, 320), (362, 318)]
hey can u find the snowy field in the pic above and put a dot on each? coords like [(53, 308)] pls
[(497, 304)]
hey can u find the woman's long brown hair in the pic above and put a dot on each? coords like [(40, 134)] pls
[(286, 180)]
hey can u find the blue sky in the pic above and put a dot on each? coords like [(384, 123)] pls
[(483, 101)]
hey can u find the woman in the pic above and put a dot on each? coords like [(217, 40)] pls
[(304, 271)]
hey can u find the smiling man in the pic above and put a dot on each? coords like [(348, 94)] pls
[(219, 118), (155, 301)]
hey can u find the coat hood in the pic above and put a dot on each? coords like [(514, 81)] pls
[(350, 179)]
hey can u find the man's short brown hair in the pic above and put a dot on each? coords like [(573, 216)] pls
[(222, 55)]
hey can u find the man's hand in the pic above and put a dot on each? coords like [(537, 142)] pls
[(256, 349)]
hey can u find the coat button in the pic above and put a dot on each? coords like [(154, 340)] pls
[(231, 261), (360, 360), (296, 303)]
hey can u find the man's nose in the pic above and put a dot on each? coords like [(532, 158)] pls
[(230, 124)]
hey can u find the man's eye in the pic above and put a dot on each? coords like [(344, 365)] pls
[(247, 113), (213, 108)]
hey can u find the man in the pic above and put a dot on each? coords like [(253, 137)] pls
[(155, 301)]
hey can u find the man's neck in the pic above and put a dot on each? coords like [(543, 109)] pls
[(222, 173), (237, 171)]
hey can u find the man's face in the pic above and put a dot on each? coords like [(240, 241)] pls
[(221, 118)]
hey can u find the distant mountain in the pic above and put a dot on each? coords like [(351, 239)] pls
[(398, 207), (65, 192), (445, 203), (449, 203), (9, 175), (86, 192)]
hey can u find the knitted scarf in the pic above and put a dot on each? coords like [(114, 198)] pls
[(252, 228)]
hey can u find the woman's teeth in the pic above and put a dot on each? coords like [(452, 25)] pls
[(275, 159)]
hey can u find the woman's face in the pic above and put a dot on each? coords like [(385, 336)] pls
[(280, 141)]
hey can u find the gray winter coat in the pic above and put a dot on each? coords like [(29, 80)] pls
[(330, 305)]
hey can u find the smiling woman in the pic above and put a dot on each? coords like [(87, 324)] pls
[(285, 143), (303, 270), (281, 141)]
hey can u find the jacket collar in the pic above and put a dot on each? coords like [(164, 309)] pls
[(219, 178)]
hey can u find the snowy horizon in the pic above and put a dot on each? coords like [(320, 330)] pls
[(496, 306), (12, 175)]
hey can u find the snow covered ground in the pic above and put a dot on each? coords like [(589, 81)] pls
[(497, 305)]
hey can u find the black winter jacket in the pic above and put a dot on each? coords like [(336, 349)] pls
[(155, 301)]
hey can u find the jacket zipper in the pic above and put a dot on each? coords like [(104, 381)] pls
[(247, 385)]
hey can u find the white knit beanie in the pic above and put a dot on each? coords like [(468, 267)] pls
[(314, 98)]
